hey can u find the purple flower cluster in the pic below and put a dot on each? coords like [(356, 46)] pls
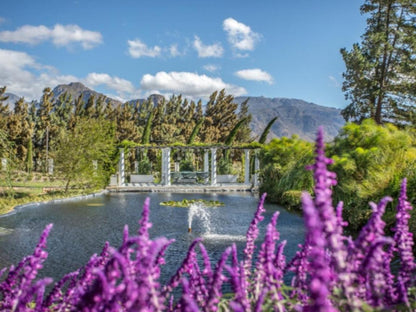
[(330, 272)]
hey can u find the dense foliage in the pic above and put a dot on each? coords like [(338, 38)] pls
[(379, 81), (84, 153), (330, 272), (283, 172), (369, 159), (38, 132)]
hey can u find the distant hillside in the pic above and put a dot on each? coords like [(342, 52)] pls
[(77, 88), (294, 117), (155, 98)]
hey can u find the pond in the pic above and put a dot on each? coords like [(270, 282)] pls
[(82, 227)]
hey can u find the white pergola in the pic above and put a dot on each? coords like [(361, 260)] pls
[(208, 167)]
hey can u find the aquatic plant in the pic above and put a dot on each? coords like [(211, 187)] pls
[(331, 272), (186, 203)]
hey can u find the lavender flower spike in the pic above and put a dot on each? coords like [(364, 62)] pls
[(404, 240), (252, 234), (320, 273)]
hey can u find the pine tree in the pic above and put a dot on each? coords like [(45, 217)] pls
[(63, 108), (20, 129), (148, 128), (29, 157), (126, 125), (89, 109), (266, 131), (45, 128), (380, 77), (220, 117), (244, 132), (4, 108)]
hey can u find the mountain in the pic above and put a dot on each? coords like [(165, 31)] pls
[(154, 98), (294, 117), (76, 89)]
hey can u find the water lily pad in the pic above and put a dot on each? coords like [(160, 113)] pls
[(185, 203)]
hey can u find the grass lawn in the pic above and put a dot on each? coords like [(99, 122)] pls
[(20, 189)]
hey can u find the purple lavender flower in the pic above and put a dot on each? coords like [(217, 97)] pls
[(373, 269), (217, 281), (320, 273), (265, 268), (404, 243), (239, 283), (252, 234), (186, 267), (187, 302), (19, 288)]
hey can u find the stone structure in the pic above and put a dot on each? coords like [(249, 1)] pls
[(209, 172)]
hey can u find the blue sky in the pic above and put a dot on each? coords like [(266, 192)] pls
[(130, 49)]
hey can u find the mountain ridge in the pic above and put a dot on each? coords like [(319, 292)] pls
[(295, 117)]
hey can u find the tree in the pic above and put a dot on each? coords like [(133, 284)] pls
[(20, 129), (266, 131), (90, 140), (220, 117), (244, 133), (4, 108), (148, 129), (380, 75)]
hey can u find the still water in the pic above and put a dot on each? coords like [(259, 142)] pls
[(82, 227)]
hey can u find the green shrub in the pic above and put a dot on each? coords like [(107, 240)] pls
[(283, 169)]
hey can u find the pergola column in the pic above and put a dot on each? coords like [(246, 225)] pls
[(246, 166), (206, 160), (213, 166), (121, 169), (256, 169), (166, 166)]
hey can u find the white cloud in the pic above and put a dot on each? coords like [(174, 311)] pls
[(254, 74), (188, 84), (240, 36), (214, 50), (25, 77), (121, 86), (138, 49), (211, 67), (60, 35), (2, 20), (173, 50)]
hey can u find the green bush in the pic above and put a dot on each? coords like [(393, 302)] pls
[(370, 161), (283, 169), (145, 166), (291, 199), (186, 165), (225, 166)]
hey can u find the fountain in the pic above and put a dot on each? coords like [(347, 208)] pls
[(203, 213), (199, 210)]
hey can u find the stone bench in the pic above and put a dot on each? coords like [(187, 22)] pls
[(226, 178), (141, 178)]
